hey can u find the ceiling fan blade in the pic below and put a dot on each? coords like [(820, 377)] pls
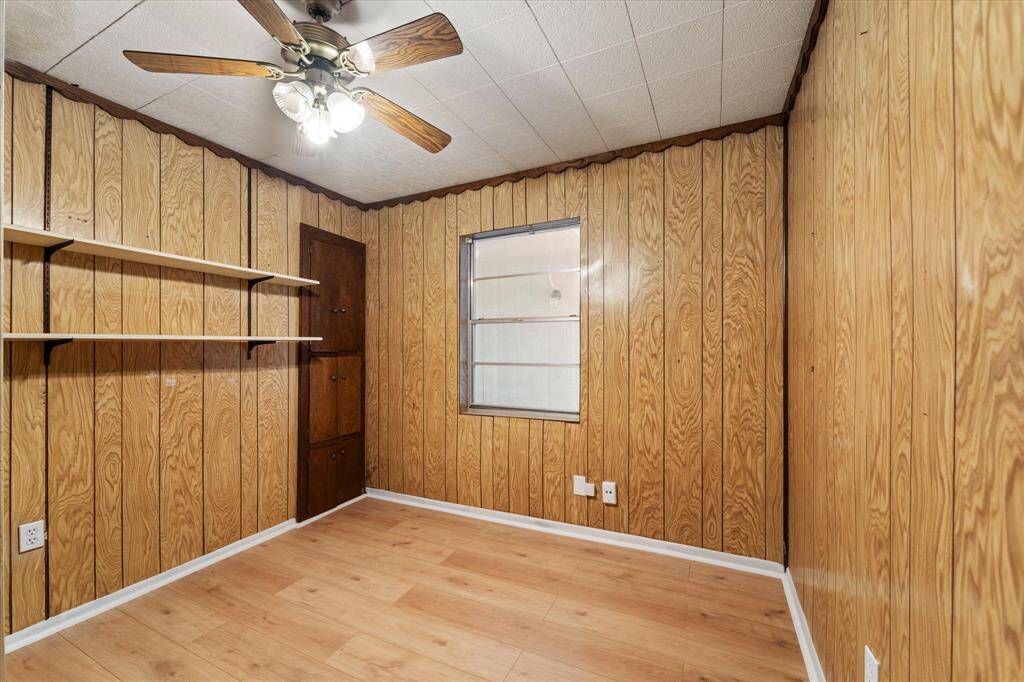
[(273, 20), (423, 40), (404, 122), (163, 62)]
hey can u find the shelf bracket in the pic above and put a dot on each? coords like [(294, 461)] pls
[(253, 282), (253, 344), (49, 345), (250, 283), (48, 251)]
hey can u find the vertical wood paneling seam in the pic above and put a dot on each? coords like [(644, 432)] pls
[(703, 207)]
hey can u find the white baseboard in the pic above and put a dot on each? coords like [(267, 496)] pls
[(707, 556), (45, 628), (608, 537), (803, 631)]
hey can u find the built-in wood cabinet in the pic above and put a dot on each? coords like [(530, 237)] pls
[(331, 401)]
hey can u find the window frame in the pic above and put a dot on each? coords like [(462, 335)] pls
[(466, 406)]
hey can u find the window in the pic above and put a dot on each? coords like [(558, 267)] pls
[(520, 321)]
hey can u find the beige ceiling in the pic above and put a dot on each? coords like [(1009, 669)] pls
[(539, 81)]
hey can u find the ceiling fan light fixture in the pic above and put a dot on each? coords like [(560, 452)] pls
[(294, 100), (346, 114), (317, 128)]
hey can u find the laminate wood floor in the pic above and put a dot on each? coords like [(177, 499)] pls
[(384, 591)]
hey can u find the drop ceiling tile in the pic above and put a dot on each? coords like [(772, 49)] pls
[(510, 135), (648, 16), (467, 146), (222, 29), (755, 26), (469, 16), (572, 138), (577, 27), (544, 95), (682, 48), (481, 108), (399, 87), (89, 17), (452, 76), (613, 109), (146, 28), (378, 16), (760, 70), (605, 71), (36, 38), (754, 105), (526, 158), (629, 134), (100, 68), (510, 47), (441, 116), (193, 110), (695, 119), (688, 101)]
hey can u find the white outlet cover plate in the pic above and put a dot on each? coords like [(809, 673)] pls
[(609, 495), (31, 536)]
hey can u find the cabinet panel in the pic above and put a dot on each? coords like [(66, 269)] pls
[(349, 384), (323, 478), (323, 399)]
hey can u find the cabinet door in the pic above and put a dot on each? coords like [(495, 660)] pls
[(351, 301), (324, 467), (324, 298), (323, 399), (338, 302), (350, 394), (350, 468)]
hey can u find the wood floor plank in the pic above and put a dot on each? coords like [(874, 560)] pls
[(51, 659), (365, 657), (423, 634), (531, 666), (130, 651), (563, 643)]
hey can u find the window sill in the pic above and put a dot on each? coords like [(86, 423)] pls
[(571, 417)]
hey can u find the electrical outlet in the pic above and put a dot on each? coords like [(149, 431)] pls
[(870, 665), (581, 487), (31, 536), (608, 492)]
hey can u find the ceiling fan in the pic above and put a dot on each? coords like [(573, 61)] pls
[(314, 89)]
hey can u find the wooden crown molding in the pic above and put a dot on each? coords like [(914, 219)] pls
[(73, 92), (804, 61), (604, 157)]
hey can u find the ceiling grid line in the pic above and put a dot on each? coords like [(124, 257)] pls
[(643, 71)]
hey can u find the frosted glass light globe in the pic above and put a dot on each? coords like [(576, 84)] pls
[(294, 99), (318, 127), (346, 115)]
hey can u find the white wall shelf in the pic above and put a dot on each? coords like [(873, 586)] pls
[(55, 240)]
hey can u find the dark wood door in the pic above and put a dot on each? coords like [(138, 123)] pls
[(330, 462)]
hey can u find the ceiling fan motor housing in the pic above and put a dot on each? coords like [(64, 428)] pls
[(324, 10)]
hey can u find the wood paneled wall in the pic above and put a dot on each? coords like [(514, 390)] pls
[(141, 456), (906, 340), (681, 349)]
